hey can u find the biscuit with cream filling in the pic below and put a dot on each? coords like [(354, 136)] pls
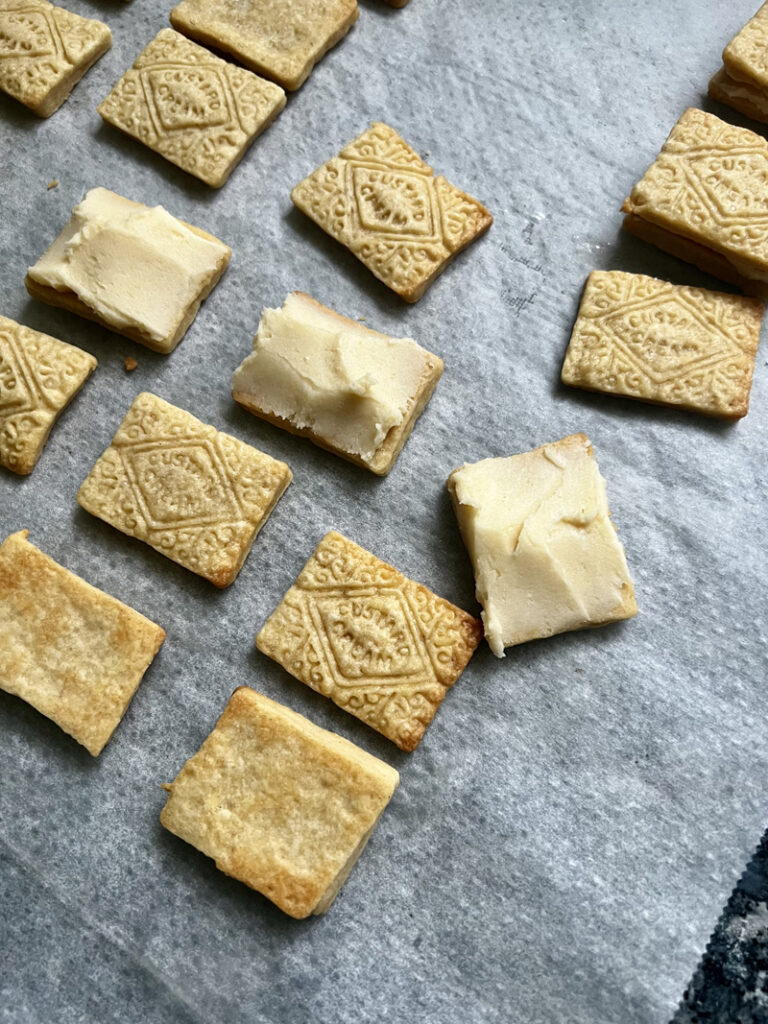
[(544, 551), (131, 268), (349, 389)]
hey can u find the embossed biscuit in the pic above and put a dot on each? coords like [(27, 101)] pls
[(39, 376), (380, 646), (188, 490), (658, 342), (746, 56), (70, 650), (705, 199), (743, 96), (45, 51), (198, 111), (380, 200), (280, 804), (281, 39)]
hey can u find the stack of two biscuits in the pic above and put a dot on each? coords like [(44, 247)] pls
[(742, 82), (703, 201)]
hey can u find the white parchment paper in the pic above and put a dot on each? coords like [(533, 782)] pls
[(565, 836)]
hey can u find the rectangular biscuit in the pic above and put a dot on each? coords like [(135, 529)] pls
[(380, 200), (278, 803), (39, 377), (45, 51), (191, 492), (132, 268), (198, 111), (544, 551), (382, 647), (647, 339), (70, 650), (707, 190), (282, 40), (349, 389), (746, 56)]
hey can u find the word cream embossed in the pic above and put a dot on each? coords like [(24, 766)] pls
[(380, 646), (196, 110), (191, 492), (643, 338), (380, 200), (705, 199)]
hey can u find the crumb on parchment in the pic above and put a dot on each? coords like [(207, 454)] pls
[(130, 363)]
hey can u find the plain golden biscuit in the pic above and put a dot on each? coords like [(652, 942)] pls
[(188, 490), (70, 650), (746, 56), (749, 99), (131, 268), (39, 377), (380, 200), (281, 39), (351, 390), (45, 51), (643, 338), (704, 199), (544, 551), (382, 647), (196, 110), (278, 803)]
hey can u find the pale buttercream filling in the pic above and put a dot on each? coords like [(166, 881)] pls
[(349, 386), (134, 266), (545, 553)]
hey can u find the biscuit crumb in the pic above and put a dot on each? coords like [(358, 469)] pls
[(53, 183), (130, 363)]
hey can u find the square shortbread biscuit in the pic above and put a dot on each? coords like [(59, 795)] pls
[(45, 51), (131, 268), (281, 39), (746, 56), (278, 803), (382, 647), (643, 338), (380, 200), (39, 377), (743, 96), (351, 390), (704, 200), (198, 111), (188, 490), (70, 650), (544, 551)]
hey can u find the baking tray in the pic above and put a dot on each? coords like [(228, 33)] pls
[(566, 834)]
